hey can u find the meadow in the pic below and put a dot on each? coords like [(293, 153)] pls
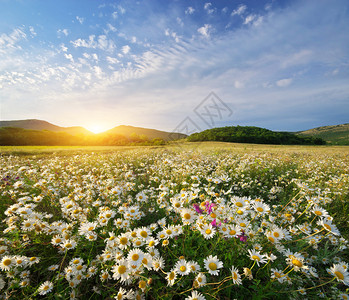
[(184, 221)]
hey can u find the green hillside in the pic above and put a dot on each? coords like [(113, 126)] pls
[(255, 135), (34, 124), (335, 135), (130, 131)]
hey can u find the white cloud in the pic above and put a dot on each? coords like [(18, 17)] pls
[(112, 60), (80, 19), (63, 48), (10, 40), (209, 9), (62, 31), (249, 19), (110, 28), (126, 49), (32, 31), (189, 11), (205, 30), (69, 57), (284, 82), (102, 43), (98, 72), (180, 22), (95, 56), (121, 9), (240, 10), (90, 43), (114, 15)]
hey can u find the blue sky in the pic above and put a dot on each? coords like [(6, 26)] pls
[(281, 65)]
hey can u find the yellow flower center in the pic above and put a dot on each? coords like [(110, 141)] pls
[(297, 263), (232, 232), (168, 231), (277, 275), (318, 213), (235, 276), (212, 266), (135, 257), (171, 276), (123, 240), (328, 227), (260, 209), (76, 261), (144, 234), (121, 269), (187, 216), (255, 257), (208, 231), (271, 239), (239, 204), (151, 244), (183, 268), (142, 284), (339, 275), (79, 267), (7, 262), (276, 234)]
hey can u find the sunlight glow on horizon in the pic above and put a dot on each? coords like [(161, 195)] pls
[(96, 128)]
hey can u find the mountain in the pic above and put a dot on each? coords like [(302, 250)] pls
[(34, 124), (335, 134), (252, 134), (128, 131)]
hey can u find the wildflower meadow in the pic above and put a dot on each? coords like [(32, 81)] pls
[(175, 223)]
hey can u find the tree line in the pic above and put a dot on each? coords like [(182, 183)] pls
[(254, 135)]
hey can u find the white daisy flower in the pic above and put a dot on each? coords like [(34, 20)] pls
[(213, 264), (195, 295), (171, 277), (235, 275), (121, 270), (182, 267), (200, 280), (135, 257), (45, 288), (340, 273), (208, 231), (257, 257)]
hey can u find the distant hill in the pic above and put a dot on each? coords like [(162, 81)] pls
[(252, 134), (128, 131), (38, 132), (335, 135), (34, 124)]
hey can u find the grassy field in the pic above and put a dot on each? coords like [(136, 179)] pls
[(183, 221)]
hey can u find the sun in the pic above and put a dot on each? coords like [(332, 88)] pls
[(96, 128)]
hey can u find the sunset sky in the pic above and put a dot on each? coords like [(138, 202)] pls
[(281, 65)]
